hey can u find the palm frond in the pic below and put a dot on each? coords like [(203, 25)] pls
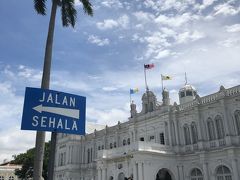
[(64, 15), (87, 7), (69, 13), (40, 6)]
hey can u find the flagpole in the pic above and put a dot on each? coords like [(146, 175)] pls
[(130, 98), (185, 78), (162, 81), (145, 78)]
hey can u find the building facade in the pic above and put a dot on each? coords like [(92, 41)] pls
[(198, 139), (7, 171)]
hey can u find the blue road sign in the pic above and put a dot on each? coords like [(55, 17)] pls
[(48, 110)]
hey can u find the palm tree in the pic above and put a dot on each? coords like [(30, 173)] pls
[(68, 15)]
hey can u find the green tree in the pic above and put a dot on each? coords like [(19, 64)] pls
[(26, 160), (68, 15)]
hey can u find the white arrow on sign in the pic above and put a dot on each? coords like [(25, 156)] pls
[(74, 113)]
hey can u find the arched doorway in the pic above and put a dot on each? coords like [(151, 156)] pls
[(163, 174), (121, 176)]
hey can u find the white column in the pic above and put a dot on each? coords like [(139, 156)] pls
[(205, 171), (179, 173), (200, 127), (225, 118), (183, 174), (176, 129), (146, 167), (104, 174), (99, 174), (170, 132), (140, 171), (235, 169), (115, 171), (135, 171), (128, 170)]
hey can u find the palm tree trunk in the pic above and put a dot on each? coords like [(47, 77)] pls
[(40, 137)]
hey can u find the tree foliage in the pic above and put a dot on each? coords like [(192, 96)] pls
[(68, 10), (26, 160)]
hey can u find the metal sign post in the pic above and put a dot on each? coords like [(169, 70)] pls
[(48, 110)]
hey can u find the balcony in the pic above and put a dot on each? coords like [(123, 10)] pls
[(139, 146), (216, 143)]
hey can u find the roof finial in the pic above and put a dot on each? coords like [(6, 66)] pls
[(185, 78)]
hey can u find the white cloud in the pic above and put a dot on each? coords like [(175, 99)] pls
[(233, 28), (175, 21), (230, 42), (168, 32), (163, 54), (107, 117), (122, 22), (109, 88), (98, 41), (226, 9), (112, 4), (189, 36), (90, 127), (144, 17), (107, 24), (205, 4), (208, 2), (166, 5), (29, 73)]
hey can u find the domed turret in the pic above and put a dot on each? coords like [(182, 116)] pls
[(148, 102), (165, 97), (187, 93), (133, 109)]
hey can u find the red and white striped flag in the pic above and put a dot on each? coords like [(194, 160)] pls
[(148, 66)]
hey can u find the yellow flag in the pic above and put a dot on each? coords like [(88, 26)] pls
[(166, 77)]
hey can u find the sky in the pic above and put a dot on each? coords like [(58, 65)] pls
[(103, 56)]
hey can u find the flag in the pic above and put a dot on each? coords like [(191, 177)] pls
[(133, 91), (148, 66), (166, 77)]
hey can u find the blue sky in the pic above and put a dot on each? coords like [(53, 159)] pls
[(103, 56)]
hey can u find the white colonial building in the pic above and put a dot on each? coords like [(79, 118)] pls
[(199, 139), (7, 171)]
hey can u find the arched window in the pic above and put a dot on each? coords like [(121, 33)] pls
[(91, 156), (189, 93), (61, 159), (88, 156), (115, 144), (187, 135), (1, 178), (223, 173), (162, 139), (99, 147), (64, 158), (111, 145), (128, 141), (150, 107), (194, 132), (237, 120), (102, 146), (219, 127), (11, 178), (211, 129), (196, 174), (146, 108), (124, 142)]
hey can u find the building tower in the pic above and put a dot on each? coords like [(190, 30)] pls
[(187, 93), (165, 97)]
